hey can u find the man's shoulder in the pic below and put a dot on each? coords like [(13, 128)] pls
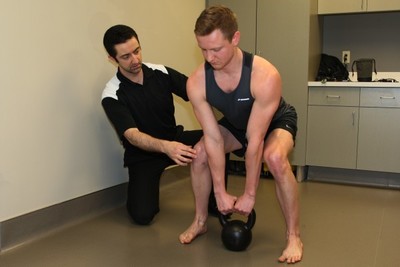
[(111, 88), (260, 63), (264, 71), (196, 82), (156, 67), (198, 73)]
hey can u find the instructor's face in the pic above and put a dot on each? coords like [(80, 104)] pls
[(216, 49), (129, 56)]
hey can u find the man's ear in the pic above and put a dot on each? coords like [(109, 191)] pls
[(110, 58), (113, 60), (236, 38)]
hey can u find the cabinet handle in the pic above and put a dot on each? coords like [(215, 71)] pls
[(354, 118), (387, 97), (333, 96)]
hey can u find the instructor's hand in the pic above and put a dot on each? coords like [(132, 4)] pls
[(180, 153)]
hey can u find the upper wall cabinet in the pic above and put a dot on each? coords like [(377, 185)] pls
[(383, 5), (354, 6), (341, 6)]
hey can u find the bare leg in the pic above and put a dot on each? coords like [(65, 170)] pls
[(278, 145), (201, 185), (288, 198)]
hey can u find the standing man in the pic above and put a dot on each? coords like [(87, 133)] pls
[(139, 103), (257, 124)]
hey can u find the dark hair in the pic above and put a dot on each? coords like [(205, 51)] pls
[(117, 34), (216, 17)]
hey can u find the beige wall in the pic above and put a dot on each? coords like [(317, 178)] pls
[(55, 141)]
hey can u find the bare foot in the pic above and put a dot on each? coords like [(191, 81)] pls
[(294, 250), (197, 228)]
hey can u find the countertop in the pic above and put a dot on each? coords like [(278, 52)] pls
[(354, 83)]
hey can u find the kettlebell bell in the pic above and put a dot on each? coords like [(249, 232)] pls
[(236, 234)]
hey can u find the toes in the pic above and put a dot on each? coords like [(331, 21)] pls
[(187, 237), (288, 259), (191, 234), (184, 238)]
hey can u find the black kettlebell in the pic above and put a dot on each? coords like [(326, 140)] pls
[(236, 235)]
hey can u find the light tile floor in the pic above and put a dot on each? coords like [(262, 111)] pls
[(341, 225)]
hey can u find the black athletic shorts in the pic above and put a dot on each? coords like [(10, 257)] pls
[(285, 118)]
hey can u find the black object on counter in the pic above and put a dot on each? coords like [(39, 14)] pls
[(364, 69)]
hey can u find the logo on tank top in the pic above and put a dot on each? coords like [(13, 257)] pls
[(243, 99)]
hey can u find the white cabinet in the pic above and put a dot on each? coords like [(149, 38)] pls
[(379, 130), (383, 5), (332, 127), (354, 6), (354, 128), (341, 6)]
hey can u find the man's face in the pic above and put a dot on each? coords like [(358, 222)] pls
[(216, 49), (129, 56)]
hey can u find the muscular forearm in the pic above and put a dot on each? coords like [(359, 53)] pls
[(253, 168), (145, 141), (216, 161)]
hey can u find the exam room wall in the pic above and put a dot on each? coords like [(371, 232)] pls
[(55, 141)]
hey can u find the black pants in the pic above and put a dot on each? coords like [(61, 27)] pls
[(144, 189), (144, 181)]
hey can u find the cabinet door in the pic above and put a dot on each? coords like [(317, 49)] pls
[(341, 6), (283, 31), (383, 5), (378, 142), (332, 136)]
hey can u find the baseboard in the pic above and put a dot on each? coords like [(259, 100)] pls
[(28, 227), (355, 177)]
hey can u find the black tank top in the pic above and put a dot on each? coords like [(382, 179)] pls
[(236, 105)]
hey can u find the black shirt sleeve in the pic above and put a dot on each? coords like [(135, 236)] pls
[(178, 83), (118, 114)]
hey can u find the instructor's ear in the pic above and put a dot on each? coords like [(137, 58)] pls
[(113, 60)]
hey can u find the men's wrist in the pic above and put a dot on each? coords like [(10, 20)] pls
[(219, 190), (163, 146), (250, 194)]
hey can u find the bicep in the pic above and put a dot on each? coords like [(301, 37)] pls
[(118, 114), (202, 109), (260, 119), (267, 98)]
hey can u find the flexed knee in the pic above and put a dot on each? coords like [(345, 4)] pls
[(201, 160), (277, 162)]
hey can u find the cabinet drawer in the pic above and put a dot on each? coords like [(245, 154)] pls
[(380, 97), (334, 96)]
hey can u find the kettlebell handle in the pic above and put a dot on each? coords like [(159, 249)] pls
[(251, 219)]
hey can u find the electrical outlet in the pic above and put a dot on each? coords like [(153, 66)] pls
[(346, 57)]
